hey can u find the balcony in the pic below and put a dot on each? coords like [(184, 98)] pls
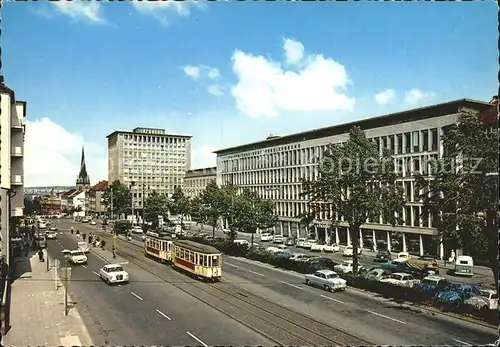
[(17, 151), (16, 180)]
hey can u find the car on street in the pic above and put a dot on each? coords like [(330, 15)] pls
[(83, 246), (137, 230), (322, 263), (349, 250), (241, 242), (77, 257), (278, 239), (377, 274), (331, 248), (93, 222), (309, 243), (113, 273), (326, 279), (382, 256), (53, 228), (51, 235), (266, 237), (290, 241), (300, 257), (318, 247), (300, 242)]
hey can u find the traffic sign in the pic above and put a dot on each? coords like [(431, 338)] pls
[(57, 263)]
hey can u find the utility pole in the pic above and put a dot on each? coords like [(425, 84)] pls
[(66, 282), (47, 253), (112, 203)]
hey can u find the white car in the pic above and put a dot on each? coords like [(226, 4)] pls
[(113, 273), (349, 250), (93, 222), (273, 250), (300, 242), (316, 247), (401, 279), (137, 230), (327, 279), (331, 248), (266, 237), (308, 244), (77, 257), (278, 239), (300, 257), (53, 228), (345, 267), (241, 242), (51, 235)]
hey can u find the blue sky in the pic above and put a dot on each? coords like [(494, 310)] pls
[(228, 73)]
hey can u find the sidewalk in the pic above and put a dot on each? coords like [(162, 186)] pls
[(37, 309)]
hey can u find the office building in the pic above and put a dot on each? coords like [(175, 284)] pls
[(12, 130), (273, 169), (147, 160), (196, 180)]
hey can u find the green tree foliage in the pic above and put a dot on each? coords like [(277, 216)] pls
[(179, 204), (249, 212), (461, 192), (196, 211), (32, 206), (213, 204), (154, 206), (358, 184), (122, 198)]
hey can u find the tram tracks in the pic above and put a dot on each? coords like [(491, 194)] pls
[(277, 323)]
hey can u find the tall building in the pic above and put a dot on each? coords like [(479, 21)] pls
[(196, 180), (12, 130), (148, 159), (273, 168), (83, 179)]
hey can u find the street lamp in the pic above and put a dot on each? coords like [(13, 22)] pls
[(132, 184)]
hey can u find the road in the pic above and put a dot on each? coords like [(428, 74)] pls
[(374, 319), (146, 311)]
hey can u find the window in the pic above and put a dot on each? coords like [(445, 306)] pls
[(425, 140), (407, 140), (399, 141), (416, 141), (408, 215), (416, 216), (434, 139), (215, 260)]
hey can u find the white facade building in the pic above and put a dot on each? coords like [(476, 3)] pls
[(273, 169), (196, 180), (78, 200), (147, 160), (12, 130)]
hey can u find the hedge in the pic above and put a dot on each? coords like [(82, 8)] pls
[(385, 289)]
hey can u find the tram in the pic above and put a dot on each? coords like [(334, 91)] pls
[(158, 246), (201, 261)]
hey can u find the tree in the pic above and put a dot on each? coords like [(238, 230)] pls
[(462, 191), (121, 198), (196, 211), (32, 206), (179, 204), (212, 205), (154, 206), (358, 184)]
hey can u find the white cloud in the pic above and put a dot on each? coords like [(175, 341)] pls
[(265, 88), (415, 95), (203, 157), (385, 96), (159, 9), (192, 71), (213, 74), (216, 90), (79, 10), (52, 155), (294, 51)]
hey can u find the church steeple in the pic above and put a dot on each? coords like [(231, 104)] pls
[(83, 180)]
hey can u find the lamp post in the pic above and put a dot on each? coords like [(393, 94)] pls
[(132, 184)]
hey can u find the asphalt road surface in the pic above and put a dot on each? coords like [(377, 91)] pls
[(377, 320), (146, 311)]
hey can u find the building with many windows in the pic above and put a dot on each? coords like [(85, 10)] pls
[(94, 200), (12, 130), (273, 169), (196, 180), (147, 160)]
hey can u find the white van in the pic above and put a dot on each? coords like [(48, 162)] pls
[(464, 265)]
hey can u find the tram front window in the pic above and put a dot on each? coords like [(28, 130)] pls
[(215, 260)]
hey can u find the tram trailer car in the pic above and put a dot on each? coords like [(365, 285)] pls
[(201, 261), (158, 246)]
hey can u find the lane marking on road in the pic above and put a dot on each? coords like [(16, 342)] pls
[(95, 273), (330, 298), (137, 296), (387, 317), (163, 314), (462, 342), (291, 285), (197, 339), (236, 266), (84, 266), (256, 273)]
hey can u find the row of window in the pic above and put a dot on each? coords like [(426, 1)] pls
[(154, 139), (197, 182), (403, 143), (160, 245), (196, 258)]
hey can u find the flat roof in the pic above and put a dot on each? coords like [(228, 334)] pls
[(117, 132), (365, 124), (196, 247), (206, 171)]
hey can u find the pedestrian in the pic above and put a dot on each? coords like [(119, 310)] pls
[(90, 239), (84, 236)]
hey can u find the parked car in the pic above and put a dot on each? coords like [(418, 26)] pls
[(290, 241), (241, 242), (377, 274), (401, 279), (308, 244), (113, 273), (93, 222), (382, 256), (433, 284), (300, 242), (137, 230), (53, 228), (266, 237), (322, 263), (404, 255), (318, 247), (327, 279), (346, 266), (51, 235), (300, 257), (485, 299), (349, 250), (277, 239), (331, 248), (464, 265)]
